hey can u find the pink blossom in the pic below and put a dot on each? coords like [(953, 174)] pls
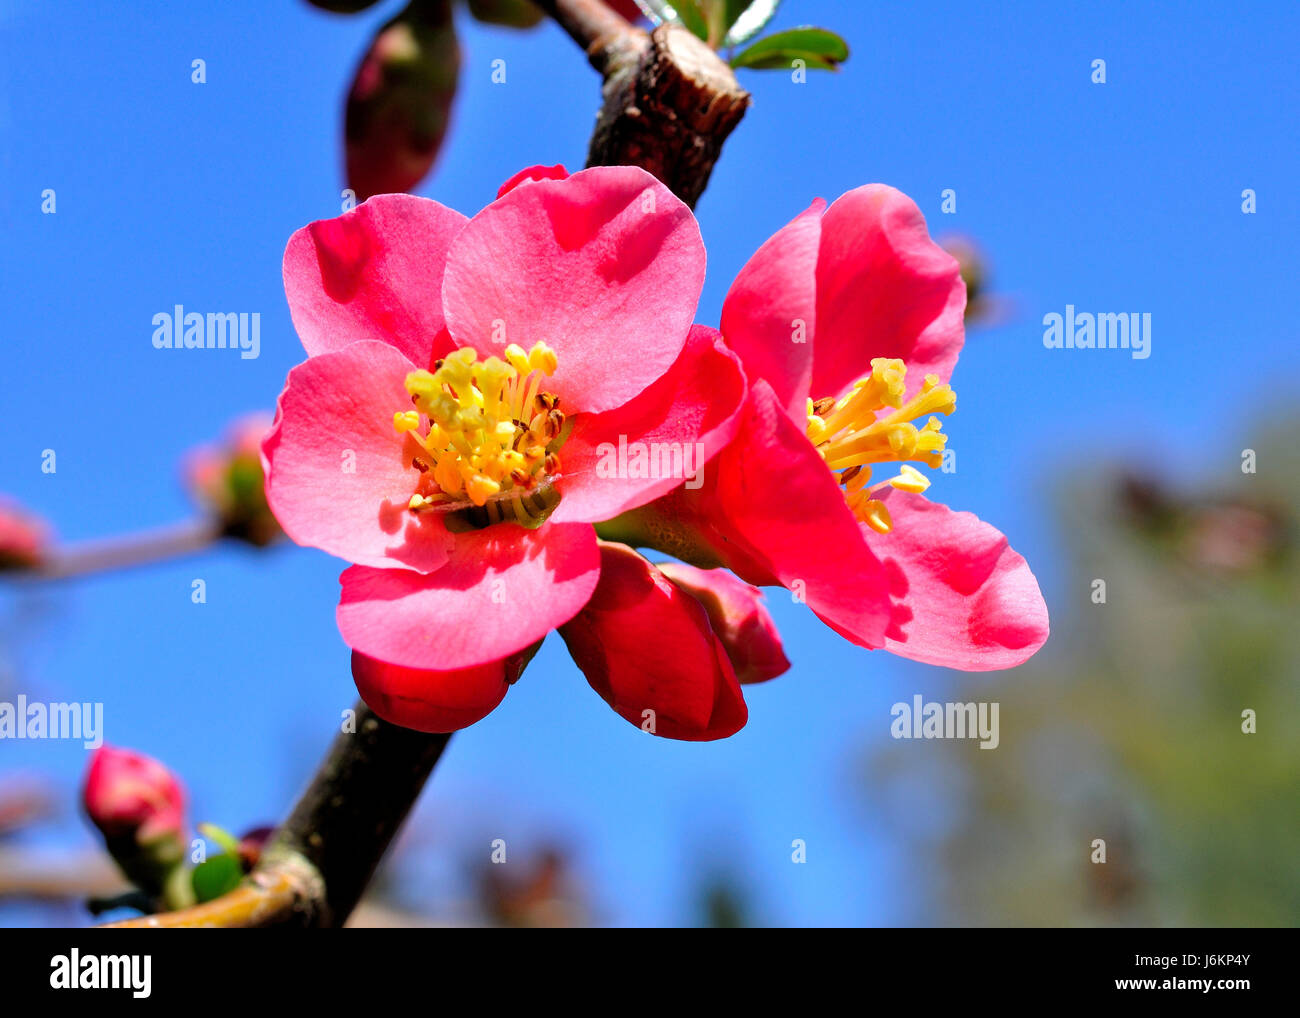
[(445, 432), (848, 322)]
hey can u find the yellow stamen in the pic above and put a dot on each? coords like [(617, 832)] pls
[(490, 430), (873, 424)]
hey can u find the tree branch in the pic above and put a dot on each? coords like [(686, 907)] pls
[(670, 101)]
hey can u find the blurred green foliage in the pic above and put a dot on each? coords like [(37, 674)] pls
[(1128, 727)]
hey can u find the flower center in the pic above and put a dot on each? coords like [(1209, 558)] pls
[(872, 424), (485, 436)]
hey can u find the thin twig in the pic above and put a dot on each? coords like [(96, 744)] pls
[(139, 549)]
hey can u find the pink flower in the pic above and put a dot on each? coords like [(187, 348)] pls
[(24, 538), (848, 322), (466, 380), (128, 794)]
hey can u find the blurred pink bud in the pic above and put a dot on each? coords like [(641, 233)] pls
[(228, 481), (400, 102), (132, 796), (738, 617), (24, 538)]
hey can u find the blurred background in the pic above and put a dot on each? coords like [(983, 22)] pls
[(1115, 197)]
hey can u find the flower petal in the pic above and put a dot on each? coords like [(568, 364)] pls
[(668, 432), (645, 646), (372, 273), (770, 313), (605, 267), (884, 289), (776, 498), (338, 476), (966, 599), (739, 619), (502, 589), (431, 701)]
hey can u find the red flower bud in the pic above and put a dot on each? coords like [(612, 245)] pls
[(23, 537), (739, 619), (400, 102), (646, 647), (130, 794)]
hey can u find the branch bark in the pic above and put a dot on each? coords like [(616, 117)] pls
[(669, 101)]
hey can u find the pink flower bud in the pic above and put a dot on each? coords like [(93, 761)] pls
[(128, 794), (228, 480), (738, 617)]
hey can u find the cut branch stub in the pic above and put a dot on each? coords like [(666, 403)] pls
[(670, 103)]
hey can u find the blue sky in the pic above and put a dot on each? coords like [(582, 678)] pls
[(1117, 197)]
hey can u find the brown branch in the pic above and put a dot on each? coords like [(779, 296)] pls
[(670, 101)]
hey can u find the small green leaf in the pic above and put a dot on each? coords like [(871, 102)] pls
[(746, 18), (220, 836), (215, 877), (690, 14), (818, 48)]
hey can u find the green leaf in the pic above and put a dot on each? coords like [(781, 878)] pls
[(746, 18), (820, 49), (511, 13), (215, 877), (220, 836), (691, 14)]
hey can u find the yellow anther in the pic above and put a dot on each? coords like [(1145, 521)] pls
[(481, 443), (875, 514), (480, 488), (873, 424), (542, 358), (909, 479), (518, 359)]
